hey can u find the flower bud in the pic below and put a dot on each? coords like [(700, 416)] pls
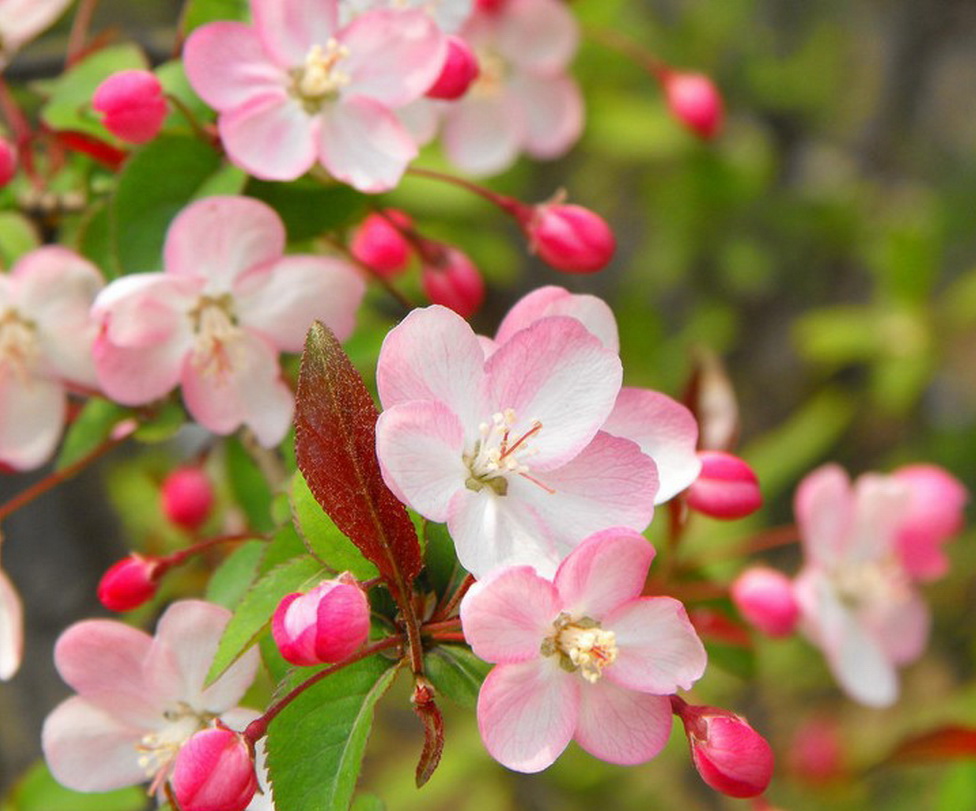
[(187, 497), (569, 237), (730, 755), (214, 771), (694, 101), (459, 71), (726, 487), (380, 245), (128, 583), (765, 598), (327, 624), (454, 281), (8, 162), (816, 754), (132, 105)]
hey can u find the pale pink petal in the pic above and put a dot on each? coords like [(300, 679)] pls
[(140, 375), (420, 445), (482, 132), (824, 508), (537, 35), (394, 56), (901, 626), (593, 312), (228, 66), (362, 143), (621, 726), (289, 29), (142, 310), (607, 569), (527, 713), (22, 20), (552, 114), (507, 615), (11, 628), (880, 506), (281, 300), (658, 650), (421, 118), (555, 372), (219, 238), (270, 137), (32, 414), (665, 430)]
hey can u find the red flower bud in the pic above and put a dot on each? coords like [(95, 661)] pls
[(380, 245), (454, 281), (694, 101), (132, 104), (214, 771), (459, 71), (187, 497), (569, 237), (8, 162), (129, 583), (726, 487), (327, 624), (765, 598)]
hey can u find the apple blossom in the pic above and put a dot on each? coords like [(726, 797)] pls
[(132, 105), (295, 88), (11, 629), (215, 320), (46, 337), (726, 487), (580, 657), (22, 20), (187, 497), (139, 697), (214, 771), (508, 451)]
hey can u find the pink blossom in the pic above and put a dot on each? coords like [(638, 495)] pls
[(139, 697), (857, 600), (569, 237), (214, 771), (508, 451), (726, 487), (380, 245), (215, 320), (46, 338), (11, 628), (449, 277), (458, 73), (524, 99), (132, 105), (581, 657), (22, 20), (765, 598), (296, 88), (449, 15)]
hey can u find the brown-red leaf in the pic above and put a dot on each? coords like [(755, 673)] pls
[(335, 444), (945, 743)]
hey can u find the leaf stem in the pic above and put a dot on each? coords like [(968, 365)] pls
[(446, 610)]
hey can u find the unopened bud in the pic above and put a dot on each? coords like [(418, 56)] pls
[(816, 753), (380, 245), (694, 101), (8, 162), (454, 281), (129, 583), (214, 771), (726, 487), (187, 497), (765, 598), (569, 237), (459, 71), (327, 624), (132, 105)]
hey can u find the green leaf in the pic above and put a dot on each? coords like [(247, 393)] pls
[(250, 488), (456, 673), (367, 802), (322, 537), (91, 428), (164, 424), (442, 569), (94, 238), (39, 791), (230, 582), (254, 611), (17, 236), (201, 12), (286, 545), (309, 208), (316, 744), (958, 789)]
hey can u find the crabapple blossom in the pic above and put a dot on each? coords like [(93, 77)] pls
[(129, 583), (22, 20), (296, 88), (214, 771), (187, 497), (140, 698), (507, 450), (569, 237), (726, 487), (11, 628), (46, 337), (132, 105), (765, 598), (449, 277), (215, 320), (579, 657), (694, 101), (380, 245)]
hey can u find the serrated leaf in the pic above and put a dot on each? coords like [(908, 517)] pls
[(285, 545), (308, 208), (335, 445), (322, 537), (456, 673), (254, 611), (230, 582), (91, 428), (316, 744)]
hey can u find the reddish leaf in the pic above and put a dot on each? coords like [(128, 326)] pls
[(101, 151), (430, 715), (713, 624), (335, 444), (946, 743)]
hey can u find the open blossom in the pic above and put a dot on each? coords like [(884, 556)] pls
[(580, 657), (140, 698), (46, 338), (508, 451), (296, 88), (449, 15), (22, 20), (215, 320)]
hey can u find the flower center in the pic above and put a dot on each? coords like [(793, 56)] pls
[(157, 750), (581, 645), (215, 347), (321, 77), (497, 454), (876, 582), (18, 343), (493, 70)]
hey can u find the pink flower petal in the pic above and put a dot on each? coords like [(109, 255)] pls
[(537, 35), (142, 310), (270, 137), (901, 627), (552, 114), (881, 504), (140, 375), (288, 30), (621, 726), (507, 615), (658, 650), (527, 713), (32, 414), (11, 628), (482, 132), (591, 311), (824, 508)]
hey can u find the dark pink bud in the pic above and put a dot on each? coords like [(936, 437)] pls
[(380, 245), (129, 583), (327, 624), (8, 162), (817, 751), (726, 487), (459, 71), (132, 105), (569, 237), (454, 281), (214, 771), (730, 755), (694, 101), (187, 497), (765, 598)]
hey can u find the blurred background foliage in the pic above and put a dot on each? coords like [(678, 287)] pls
[(823, 247)]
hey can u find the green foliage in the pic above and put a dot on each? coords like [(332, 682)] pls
[(37, 790), (90, 429), (17, 237), (309, 208), (201, 12), (234, 576), (456, 673)]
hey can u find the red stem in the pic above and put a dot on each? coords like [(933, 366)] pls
[(449, 607), (509, 205), (182, 555)]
